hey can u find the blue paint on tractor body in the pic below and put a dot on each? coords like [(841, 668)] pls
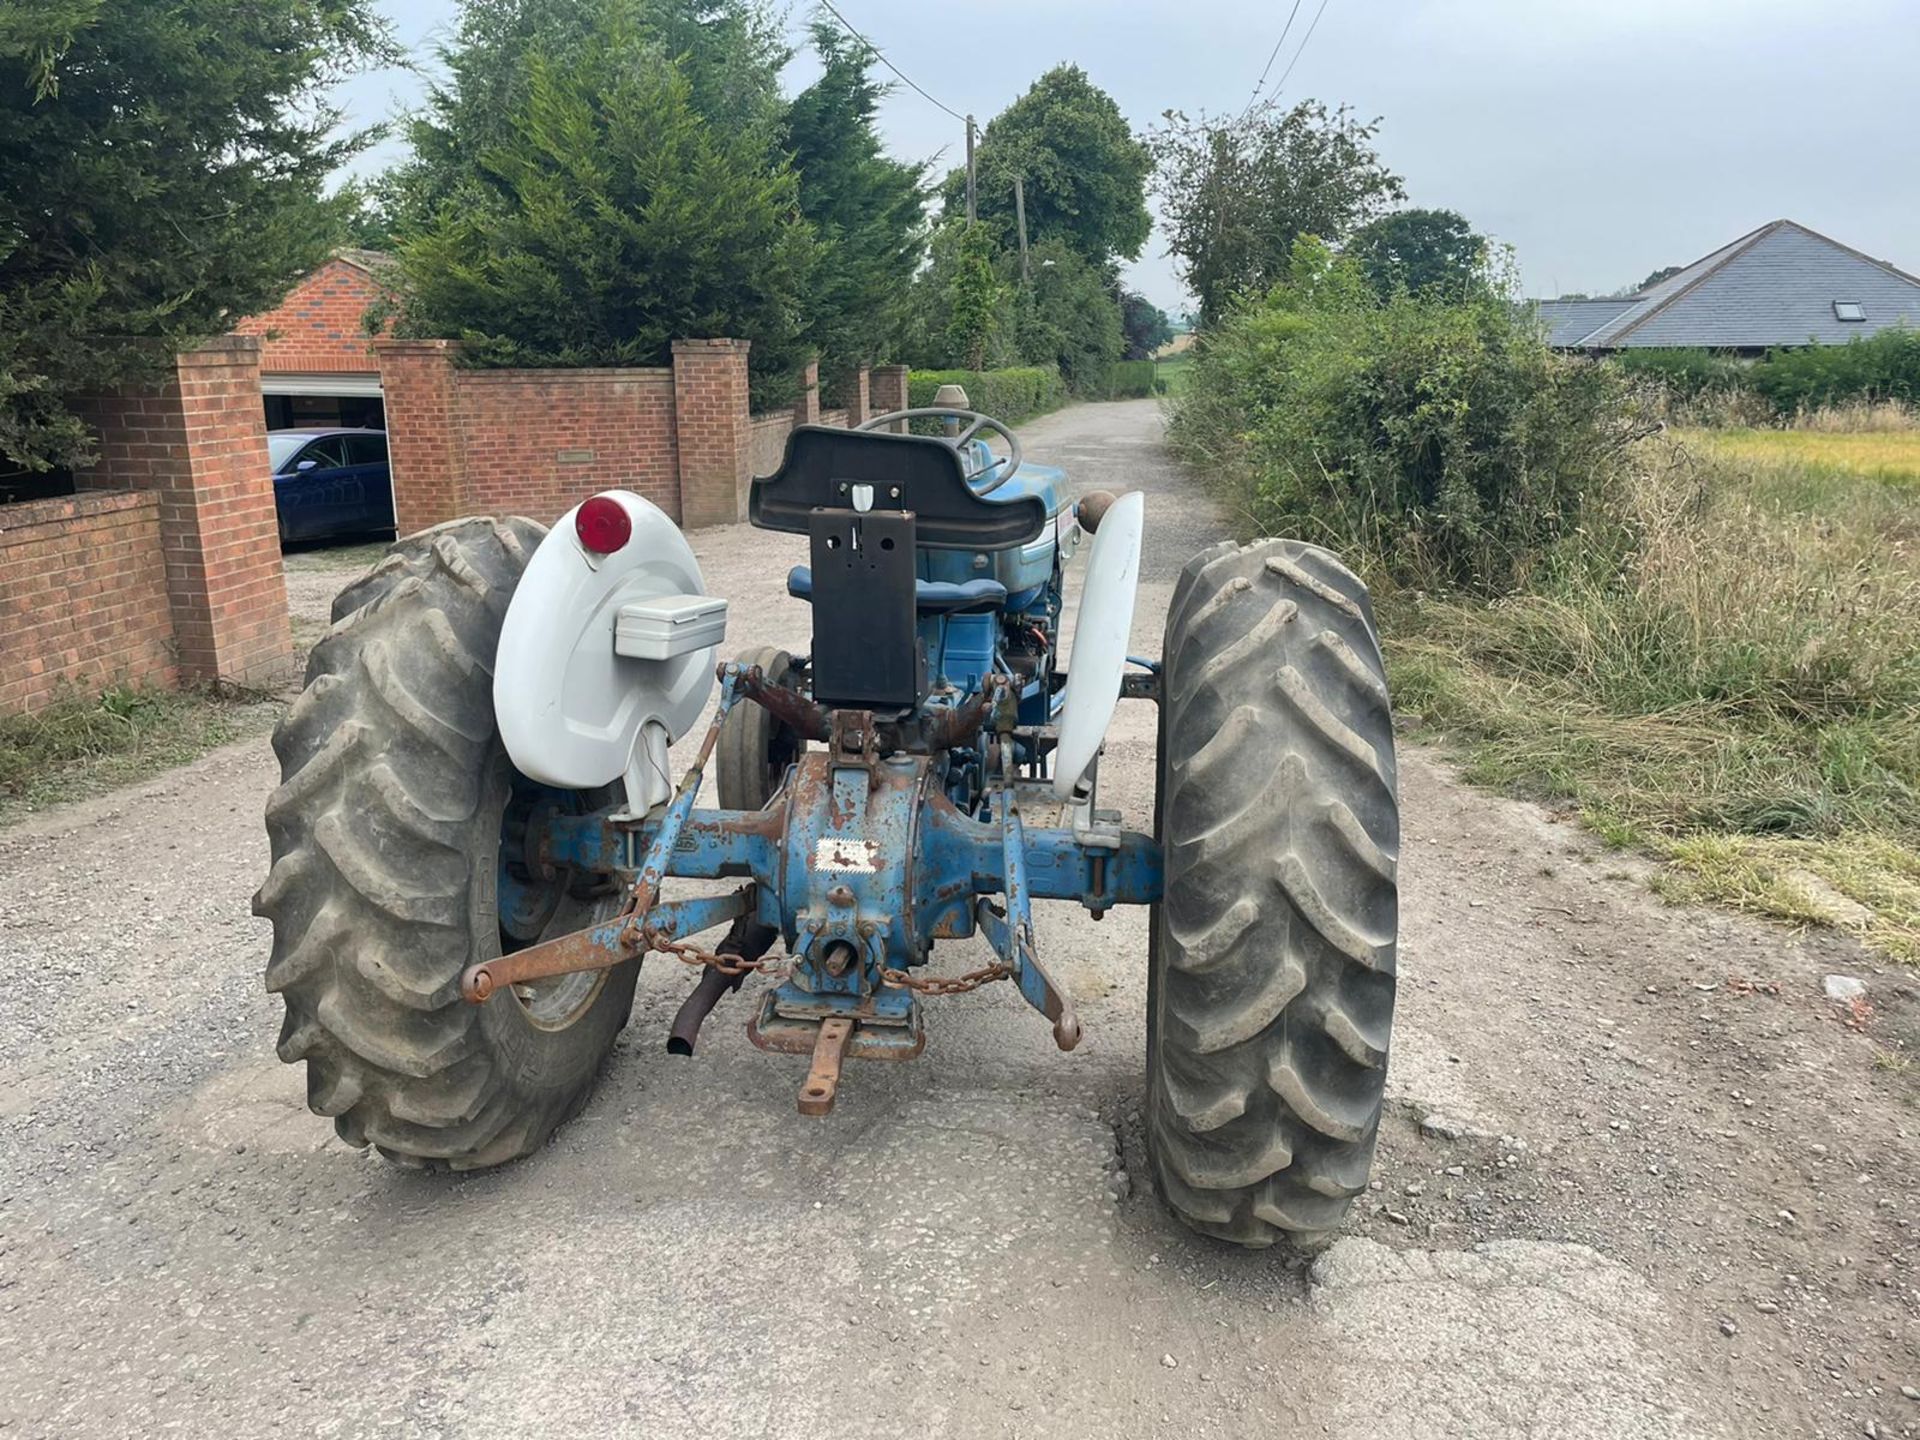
[(863, 863)]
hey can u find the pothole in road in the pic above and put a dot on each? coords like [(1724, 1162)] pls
[(261, 1105)]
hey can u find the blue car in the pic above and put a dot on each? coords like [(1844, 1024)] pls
[(331, 483)]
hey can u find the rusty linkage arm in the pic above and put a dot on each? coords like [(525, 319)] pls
[(601, 947), (804, 717), (641, 925), (940, 730)]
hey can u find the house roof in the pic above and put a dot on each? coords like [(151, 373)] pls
[(377, 263), (1569, 322), (1778, 285)]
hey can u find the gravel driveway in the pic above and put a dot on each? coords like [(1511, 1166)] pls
[(1638, 1180)]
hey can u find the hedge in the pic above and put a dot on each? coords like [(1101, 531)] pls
[(1010, 395), (1130, 380), (1885, 366)]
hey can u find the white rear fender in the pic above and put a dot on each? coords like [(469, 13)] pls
[(1100, 633), (573, 710)]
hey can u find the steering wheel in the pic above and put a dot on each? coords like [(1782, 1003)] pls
[(1003, 467)]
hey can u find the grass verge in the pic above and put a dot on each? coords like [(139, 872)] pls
[(83, 745), (1739, 693), (1175, 372)]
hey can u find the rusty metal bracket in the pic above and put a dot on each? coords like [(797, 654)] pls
[(852, 739), (601, 947), (874, 1037), (822, 1084), (1036, 986), (1011, 933), (788, 706)]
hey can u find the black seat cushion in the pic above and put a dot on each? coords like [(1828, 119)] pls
[(907, 472)]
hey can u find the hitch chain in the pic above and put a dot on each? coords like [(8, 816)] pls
[(688, 953), (948, 984)]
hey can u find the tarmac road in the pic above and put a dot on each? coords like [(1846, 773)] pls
[(1670, 1206)]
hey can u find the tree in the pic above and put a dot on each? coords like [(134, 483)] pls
[(1420, 252), (613, 220), (865, 208), (1145, 326), (162, 172), (973, 299), (1665, 272), (1236, 194), (730, 53), (1069, 317), (1084, 170)]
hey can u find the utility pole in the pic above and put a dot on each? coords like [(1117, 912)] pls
[(970, 204), (1020, 216)]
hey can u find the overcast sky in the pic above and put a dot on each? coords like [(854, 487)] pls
[(1600, 138)]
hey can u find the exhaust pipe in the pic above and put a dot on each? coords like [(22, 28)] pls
[(749, 940)]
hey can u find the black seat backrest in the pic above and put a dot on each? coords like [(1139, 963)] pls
[(907, 472)]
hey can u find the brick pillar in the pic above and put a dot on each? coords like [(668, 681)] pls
[(199, 441), (425, 437), (858, 398), (711, 433), (889, 389), (806, 408)]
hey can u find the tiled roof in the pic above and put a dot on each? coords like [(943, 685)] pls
[(1568, 322), (377, 263), (1777, 285)]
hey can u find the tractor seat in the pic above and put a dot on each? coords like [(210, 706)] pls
[(930, 597)]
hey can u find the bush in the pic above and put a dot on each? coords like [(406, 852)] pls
[(1882, 367), (1437, 441), (1684, 374), (1786, 382), (1130, 380), (1007, 395)]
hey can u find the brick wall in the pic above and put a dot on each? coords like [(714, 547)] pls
[(712, 429), (198, 444), (857, 397), (768, 444), (887, 390), (321, 327), (425, 431), (520, 442), (540, 441), (83, 597), (806, 405), (537, 442)]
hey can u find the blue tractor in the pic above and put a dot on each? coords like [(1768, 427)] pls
[(478, 837)]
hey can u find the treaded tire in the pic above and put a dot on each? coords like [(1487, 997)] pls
[(386, 835), (754, 749), (1271, 980)]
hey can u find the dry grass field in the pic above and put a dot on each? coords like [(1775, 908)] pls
[(1887, 455)]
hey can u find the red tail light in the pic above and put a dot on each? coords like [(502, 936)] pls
[(603, 524)]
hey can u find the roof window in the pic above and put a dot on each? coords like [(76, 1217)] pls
[(1851, 310)]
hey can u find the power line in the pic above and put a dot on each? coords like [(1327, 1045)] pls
[(1275, 55), (1302, 50), (874, 50)]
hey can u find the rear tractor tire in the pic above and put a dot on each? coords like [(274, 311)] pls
[(1271, 980), (755, 749), (398, 837)]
